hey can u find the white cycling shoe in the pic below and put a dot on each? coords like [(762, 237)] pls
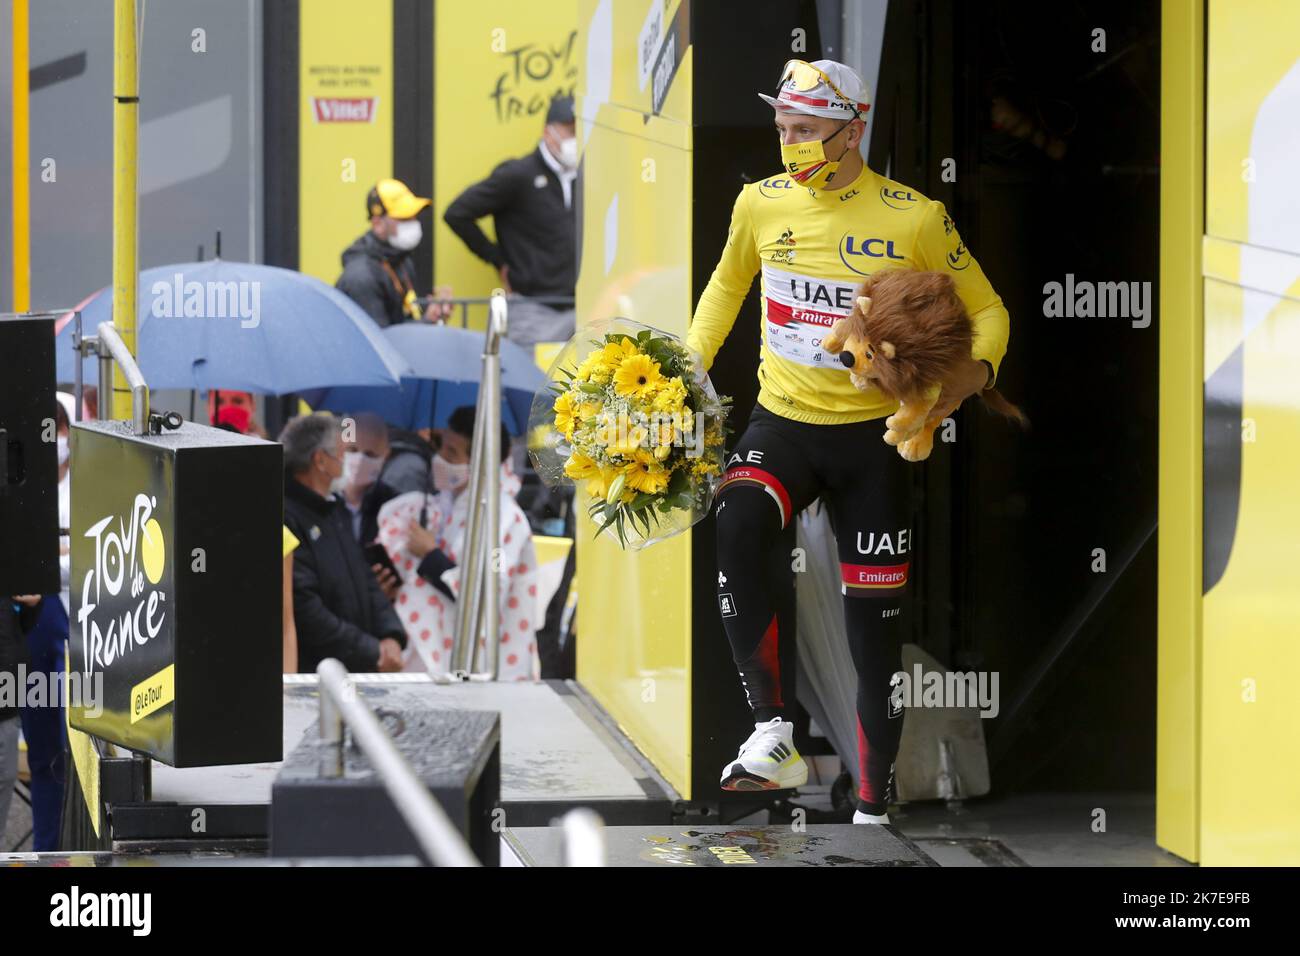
[(860, 817), (767, 760)]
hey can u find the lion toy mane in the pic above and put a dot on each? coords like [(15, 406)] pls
[(907, 335)]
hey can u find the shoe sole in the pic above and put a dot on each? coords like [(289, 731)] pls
[(740, 779)]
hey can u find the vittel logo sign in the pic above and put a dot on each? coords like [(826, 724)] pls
[(339, 109), (897, 198)]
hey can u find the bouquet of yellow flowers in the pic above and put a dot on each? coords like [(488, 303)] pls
[(631, 418)]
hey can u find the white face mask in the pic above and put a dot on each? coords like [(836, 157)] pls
[(569, 152), (408, 235), (449, 477), (64, 451), (360, 470)]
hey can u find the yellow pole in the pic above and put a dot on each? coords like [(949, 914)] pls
[(126, 118), (1179, 708), (18, 162)]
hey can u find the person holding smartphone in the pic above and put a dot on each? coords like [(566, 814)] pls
[(339, 609), (424, 535)]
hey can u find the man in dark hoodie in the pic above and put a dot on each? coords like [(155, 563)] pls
[(378, 274)]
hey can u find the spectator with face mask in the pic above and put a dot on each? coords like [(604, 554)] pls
[(235, 411), (363, 461), (531, 204), (378, 273), (339, 609), (425, 537)]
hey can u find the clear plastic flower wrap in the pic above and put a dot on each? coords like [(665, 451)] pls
[(631, 419)]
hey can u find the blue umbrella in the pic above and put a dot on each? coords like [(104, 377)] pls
[(251, 328), (445, 366)]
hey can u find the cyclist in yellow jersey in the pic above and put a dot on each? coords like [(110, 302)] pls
[(813, 233)]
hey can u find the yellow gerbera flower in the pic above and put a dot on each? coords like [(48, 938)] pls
[(563, 408), (646, 475), (637, 376)]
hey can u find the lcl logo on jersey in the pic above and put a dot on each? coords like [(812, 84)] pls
[(959, 258), (776, 187), (857, 254), (896, 198)]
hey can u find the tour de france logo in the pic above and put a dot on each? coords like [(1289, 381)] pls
[(122, 603)]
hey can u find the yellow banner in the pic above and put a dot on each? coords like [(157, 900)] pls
[(496, 68), (345, 138), (636, 262)]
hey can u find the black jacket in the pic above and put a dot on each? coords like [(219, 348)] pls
[(338, 607), (376, 496), (13, 651), (535, 232), (366, 282)]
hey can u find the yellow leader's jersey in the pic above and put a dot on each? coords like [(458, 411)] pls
[(813, 249)]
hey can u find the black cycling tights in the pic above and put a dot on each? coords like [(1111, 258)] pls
[(778, 468)]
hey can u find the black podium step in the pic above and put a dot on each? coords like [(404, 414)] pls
[(838, 844)]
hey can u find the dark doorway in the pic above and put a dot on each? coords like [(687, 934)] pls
[(1055, 146)]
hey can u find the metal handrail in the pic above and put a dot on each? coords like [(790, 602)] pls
[(79, 389), (437, 836), (112, 349), (479, 601), (464, 302)]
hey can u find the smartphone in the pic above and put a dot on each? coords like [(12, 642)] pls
[(376, 553)]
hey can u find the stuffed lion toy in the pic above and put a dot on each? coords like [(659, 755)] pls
[(906, 335)]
